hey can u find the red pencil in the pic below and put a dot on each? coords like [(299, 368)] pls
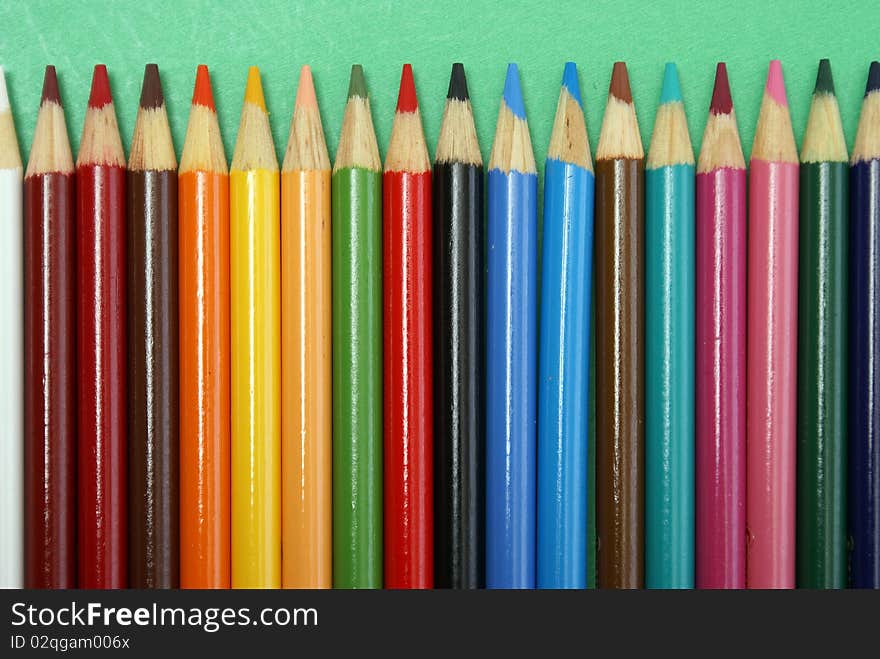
[(100, 188), (409, 538), (50, 350)]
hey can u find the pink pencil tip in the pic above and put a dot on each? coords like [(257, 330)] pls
[(305, 93), (776, 83)]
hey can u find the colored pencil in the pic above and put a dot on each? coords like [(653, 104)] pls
[(203, 242), (620, 331), (864, 343), (721, 348), (11, 362), (357, 346), (669, 345), (153, 521), (511, 351), (564, 370), (772, 348), (255, 273), (50, 350), (407, 371), (459, 383), (821, 369), (306, 354), (102, 528)]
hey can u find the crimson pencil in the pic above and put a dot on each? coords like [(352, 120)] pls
[(50, 350), (721, 348), (409, 540), (100, 189)]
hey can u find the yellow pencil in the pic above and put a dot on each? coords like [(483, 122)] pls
[(256, 348), (307, 367)]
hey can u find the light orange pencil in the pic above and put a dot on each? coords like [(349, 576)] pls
[(203, 190), (306, 366)]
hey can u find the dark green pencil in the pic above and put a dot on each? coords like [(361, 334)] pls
[(822, 327)]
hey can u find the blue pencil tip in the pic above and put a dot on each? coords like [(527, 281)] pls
[(513, 93), (671, 88), (570, 81)]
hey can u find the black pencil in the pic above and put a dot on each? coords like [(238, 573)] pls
[(458, 346)]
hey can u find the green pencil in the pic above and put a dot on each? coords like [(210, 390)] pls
[(357, 347), (822, 328)]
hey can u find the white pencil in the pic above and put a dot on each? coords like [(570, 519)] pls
[(11, 376)]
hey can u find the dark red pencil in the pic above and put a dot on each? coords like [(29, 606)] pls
[(408, 486), (50, 350), (100, 188)]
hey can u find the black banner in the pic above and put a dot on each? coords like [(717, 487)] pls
[(139, 623)]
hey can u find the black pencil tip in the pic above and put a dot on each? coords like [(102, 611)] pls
[(458, 89), (824, 79), (873, 78)]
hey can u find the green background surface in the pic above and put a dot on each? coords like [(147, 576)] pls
[(330, 35)]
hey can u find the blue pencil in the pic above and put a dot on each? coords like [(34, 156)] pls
[(864, 344), (566, 281), (511, 348), (669, 346)]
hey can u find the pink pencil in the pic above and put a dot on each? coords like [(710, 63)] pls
[(772, 349), (721, 348)]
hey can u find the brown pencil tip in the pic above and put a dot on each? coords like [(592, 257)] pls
[(151, 92), (50, 87), (620, 83)]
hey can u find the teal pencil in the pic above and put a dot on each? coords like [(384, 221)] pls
[(669, 346)]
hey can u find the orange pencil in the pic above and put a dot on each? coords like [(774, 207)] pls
[(204, 347), (306, 366)]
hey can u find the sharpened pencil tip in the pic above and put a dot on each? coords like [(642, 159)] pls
[(513, 92), (100, 93), (253, 92), (305, 91), (407, 101), (202, 94), (671, 91), (151, 91), (873, 78), (458, 89), (824, 79), (357, 86), (50, 87), (776, 83), (620, 88), (722, 102), (570, 81)]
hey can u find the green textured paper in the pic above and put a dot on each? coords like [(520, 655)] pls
[(279, 36)]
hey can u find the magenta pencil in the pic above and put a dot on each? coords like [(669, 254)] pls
[(772, 343), (721, 348)]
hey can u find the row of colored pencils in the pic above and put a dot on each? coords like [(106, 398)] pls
[(219, 389)]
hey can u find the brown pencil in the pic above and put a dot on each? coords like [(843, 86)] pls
[(620, 395), (152, 344)]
